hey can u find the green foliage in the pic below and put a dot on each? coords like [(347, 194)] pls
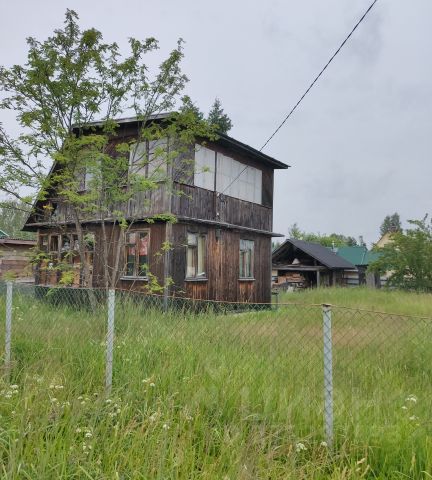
[(408, 257), (71, 80), (218, 118), (391, 223), (334, 239), (13, 215)]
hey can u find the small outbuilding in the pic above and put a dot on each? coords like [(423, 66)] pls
[(361, 258), (301, 264), (15, 256)]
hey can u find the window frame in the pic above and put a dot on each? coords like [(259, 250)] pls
[(136, 275), (252, 260), (195, 248)]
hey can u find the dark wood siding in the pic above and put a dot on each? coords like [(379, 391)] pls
[(222, 266)]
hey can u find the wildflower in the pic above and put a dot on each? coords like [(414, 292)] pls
[(413, 417), (324, 444), (14, 387), (78, 430), (58, 387), (411, 398), (404, 407), (152, 385), (165, 426), (54, 400), (80, 397), (88, 435), (153, 417), (300, 447), (108, 400)]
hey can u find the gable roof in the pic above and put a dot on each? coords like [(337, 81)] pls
[(320, 253), (223, 139)]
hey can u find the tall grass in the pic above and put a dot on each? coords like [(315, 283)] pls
[(210, 396)]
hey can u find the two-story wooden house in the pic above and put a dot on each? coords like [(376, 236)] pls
[(221, 242)]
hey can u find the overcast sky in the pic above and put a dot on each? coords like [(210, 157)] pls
[(361, 141)]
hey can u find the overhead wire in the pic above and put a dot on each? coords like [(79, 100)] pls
[(308, 89), (320, 73)]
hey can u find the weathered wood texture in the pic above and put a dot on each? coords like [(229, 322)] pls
[(199, 203), (222, 266)]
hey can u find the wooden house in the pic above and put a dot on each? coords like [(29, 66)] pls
[(221, 242), (361, 258), (300, 264), (15, 256)]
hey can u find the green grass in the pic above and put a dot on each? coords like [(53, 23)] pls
[(211, 396), (390, 301)]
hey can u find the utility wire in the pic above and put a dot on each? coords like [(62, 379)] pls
[(307, 91), (319, 75)]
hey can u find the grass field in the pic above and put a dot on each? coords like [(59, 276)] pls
[(211, 396)]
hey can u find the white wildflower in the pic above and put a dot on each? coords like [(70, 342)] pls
[(324, 444), (413, 418), (152, 384), (59, 387), (14, 387), (88, 435), (165, 426), (108, 400), (153, 417), (411, 398), (300, 447), (80, 397), (78, 430), (404, 407)]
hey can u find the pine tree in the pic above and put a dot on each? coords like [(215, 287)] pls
[(218, 118)]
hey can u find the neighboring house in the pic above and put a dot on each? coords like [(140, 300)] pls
[(360, 257), (384, 240), (300, 264), (221, 241), (14, 256)]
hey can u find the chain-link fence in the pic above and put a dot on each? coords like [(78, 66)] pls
[(315, 372)]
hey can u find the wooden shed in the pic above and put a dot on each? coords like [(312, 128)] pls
[(15, 256), (300, 264)]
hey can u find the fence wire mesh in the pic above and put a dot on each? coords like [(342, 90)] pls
[(281, 371)]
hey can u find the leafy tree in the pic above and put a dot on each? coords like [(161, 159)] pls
[(334, 239), (391, 223), (408, 257), (13, 215), (189, 107), (70, 80), (218, 118)]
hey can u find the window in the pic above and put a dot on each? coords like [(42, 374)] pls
[(196, 264), (233, 178), (238, 180), (204, 168), (246, 258), (149, 159), (137, 245)]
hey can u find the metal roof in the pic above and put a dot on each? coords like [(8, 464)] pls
[(320, 253), (357, 255)]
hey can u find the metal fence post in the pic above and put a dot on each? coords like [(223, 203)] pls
[(328, 374), (110, 341), (8, 336)]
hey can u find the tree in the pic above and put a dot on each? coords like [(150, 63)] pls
[(70, 80), (408, 257), (332, 240), (218, 118), (391, 223), (13, 215)]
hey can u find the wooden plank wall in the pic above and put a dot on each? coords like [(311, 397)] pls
[(223, 266)]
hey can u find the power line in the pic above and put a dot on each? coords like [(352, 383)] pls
[(319, 75)]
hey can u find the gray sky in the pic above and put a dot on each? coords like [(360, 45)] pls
[(360, 143)]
